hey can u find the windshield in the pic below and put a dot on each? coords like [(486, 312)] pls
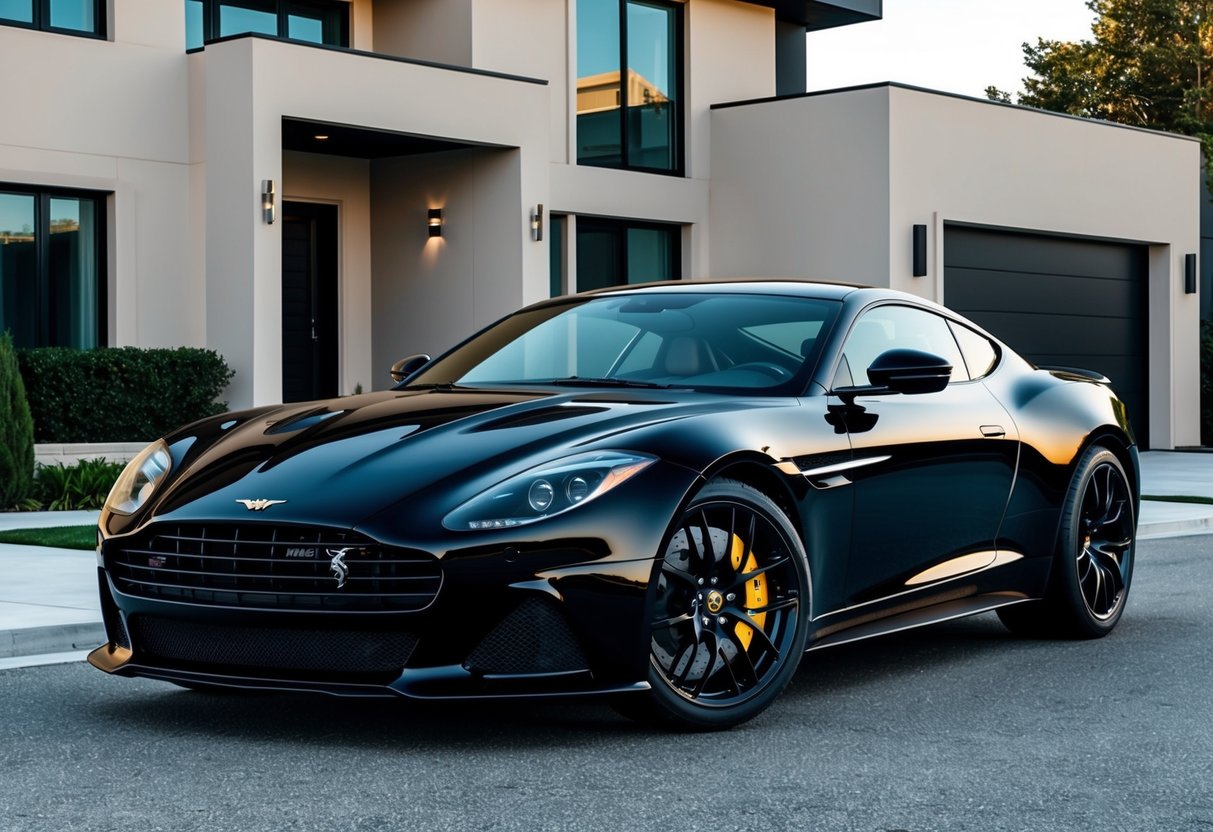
[(710, 341)]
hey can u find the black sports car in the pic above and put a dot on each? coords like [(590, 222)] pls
[(666, 493)]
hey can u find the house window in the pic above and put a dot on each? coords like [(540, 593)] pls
[(69, 17), (314, 21), (52, 287), (615, 253), (629, 84)]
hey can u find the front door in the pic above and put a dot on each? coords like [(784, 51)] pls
[(309, 301)]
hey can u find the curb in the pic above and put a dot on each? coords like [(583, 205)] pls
[(53, 638)]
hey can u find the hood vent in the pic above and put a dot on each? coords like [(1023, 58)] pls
[(539, 416)]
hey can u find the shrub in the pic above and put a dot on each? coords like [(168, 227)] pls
[(84, 485), (16, 430), (120, 394)]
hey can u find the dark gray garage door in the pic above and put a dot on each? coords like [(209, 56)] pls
[(1056, 300)]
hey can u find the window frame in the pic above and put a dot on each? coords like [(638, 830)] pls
[(41, 13), (841, 362), (679, 62), (46, 334), (283, 10), (620, 228)]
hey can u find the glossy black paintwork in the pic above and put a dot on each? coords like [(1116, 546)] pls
[(392, 465)]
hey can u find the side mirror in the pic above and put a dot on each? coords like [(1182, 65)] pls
[(405, 367), (910, 371)]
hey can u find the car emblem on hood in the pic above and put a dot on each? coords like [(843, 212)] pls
[(260, 505), (338, 565)]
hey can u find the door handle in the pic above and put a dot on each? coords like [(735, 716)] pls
[(993, 431)]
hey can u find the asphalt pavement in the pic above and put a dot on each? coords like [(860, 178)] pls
[(959, 727), (49, 609)]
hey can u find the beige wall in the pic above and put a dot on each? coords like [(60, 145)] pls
[(431, 293), (428, 30)]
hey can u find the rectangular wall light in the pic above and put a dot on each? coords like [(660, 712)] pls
[(1189, 274), (537, 222), (434, 222), (920, 251), (268, 208)]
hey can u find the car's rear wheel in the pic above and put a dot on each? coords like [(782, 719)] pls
[(729, 612), (1093, 566)]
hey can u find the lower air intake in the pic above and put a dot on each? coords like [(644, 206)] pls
[(218, 646), (534, 638)]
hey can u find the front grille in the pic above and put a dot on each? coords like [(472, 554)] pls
[(266, 566), (534, 638), (214, 647)]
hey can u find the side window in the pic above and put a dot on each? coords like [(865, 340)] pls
[(980, 355), (900, 327)]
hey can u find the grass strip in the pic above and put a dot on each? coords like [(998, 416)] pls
[(59, 537), (1205, 501)]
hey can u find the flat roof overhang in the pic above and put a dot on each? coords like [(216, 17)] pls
[(818, 14), (361, 142)]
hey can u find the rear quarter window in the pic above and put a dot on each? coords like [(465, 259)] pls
[(979, 353)]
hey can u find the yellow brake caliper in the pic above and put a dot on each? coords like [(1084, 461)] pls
[(755, 591)]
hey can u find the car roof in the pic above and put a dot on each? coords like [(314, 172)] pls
[(830, 290)]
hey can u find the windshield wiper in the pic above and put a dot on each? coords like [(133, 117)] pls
[(581, 381)]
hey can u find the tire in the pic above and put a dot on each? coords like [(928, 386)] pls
[(727, 620), (1093, 564)]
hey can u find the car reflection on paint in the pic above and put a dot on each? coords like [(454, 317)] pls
[(664, 494)]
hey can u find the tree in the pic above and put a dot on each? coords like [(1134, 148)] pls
[(16, 430), (1149, 64)]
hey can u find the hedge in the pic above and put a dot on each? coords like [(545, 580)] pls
[(16, 430), (1206, 383), (120, 394)]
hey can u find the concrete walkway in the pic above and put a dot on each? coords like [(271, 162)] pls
[(49, 608)]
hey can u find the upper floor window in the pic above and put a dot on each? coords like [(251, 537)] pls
[(52, 267), (72, 17), (629, 84), (315, 21)]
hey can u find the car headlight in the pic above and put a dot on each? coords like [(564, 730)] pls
[(139, 479), (547, 490)]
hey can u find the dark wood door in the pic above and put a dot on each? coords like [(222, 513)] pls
[(309, 301)]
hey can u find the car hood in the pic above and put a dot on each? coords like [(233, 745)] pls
[(342, 461)]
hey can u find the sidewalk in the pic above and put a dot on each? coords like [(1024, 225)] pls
[(48, 597)]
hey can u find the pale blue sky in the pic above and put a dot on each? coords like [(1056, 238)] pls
[(959, 46)]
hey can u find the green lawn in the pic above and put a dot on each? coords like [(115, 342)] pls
[(60, 537)]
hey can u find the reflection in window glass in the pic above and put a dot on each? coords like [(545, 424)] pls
[(598, 97), (651, 254), (651, 96), (73, 272), (236, 20), (193, 24), (979, 353), (21, 11), (74, 14), (18, 268), (305, 28), (900, 327), (615, 252)]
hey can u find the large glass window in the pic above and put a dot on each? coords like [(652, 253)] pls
[(629, 84), (314, 21), (75, 17), (51, 268), (616, 252)]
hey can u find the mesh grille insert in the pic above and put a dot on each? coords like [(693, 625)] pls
[(218, 646), (268, 566), (534, 638)]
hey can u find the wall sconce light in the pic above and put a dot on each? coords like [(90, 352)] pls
[(1189, 274), (537, 222), (920, 251), (434, 222), (267, 201)]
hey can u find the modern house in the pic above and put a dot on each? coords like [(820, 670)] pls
[(315, 188)]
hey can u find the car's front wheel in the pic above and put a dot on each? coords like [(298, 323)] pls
[(729, 611)]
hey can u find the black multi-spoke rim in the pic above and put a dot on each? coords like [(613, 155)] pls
[(1105, 541), (723, 625)]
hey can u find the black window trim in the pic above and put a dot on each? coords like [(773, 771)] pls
[(623, 225), (43, 194), (679, 168), (211, 10), (42, 21)]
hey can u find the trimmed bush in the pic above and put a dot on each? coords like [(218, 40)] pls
[(120, 394), (84, 485), (16, 430)]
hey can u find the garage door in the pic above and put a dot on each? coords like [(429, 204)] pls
[(1057, 300)]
